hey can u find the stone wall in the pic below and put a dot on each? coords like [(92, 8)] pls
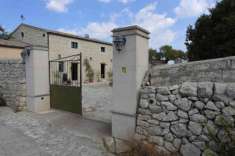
[(13, 84), (215, 70), (179, 118)]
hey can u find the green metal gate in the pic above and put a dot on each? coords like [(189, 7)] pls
[(66, 83)]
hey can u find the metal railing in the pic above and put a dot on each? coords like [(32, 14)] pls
[(66, 71)]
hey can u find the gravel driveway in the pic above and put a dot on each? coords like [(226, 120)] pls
[(29, 134), (97, 102)]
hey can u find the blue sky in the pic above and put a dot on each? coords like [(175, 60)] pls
[(167, 20)]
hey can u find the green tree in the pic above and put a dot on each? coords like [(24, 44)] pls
[(3, 33), (171, 54), (89, 71), (213, 35), (154, 55)]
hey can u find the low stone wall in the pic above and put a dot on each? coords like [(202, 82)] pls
[(13, 83), (181, 118), (214, 70)]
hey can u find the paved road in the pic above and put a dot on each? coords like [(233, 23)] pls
[(97, 102), (52, 134)]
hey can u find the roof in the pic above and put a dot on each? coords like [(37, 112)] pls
[(12, 43), (64, 34)]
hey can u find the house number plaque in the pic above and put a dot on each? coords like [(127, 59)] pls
[(124, 70)]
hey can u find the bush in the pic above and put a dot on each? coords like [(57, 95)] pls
[(89, 71), (226, 145), (110, 77)]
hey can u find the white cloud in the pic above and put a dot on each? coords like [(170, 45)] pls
[(192, 8), (70, 31), (99, 30), (94, 29), (58, 5), (121, 1), (126, 1), (159, 25)]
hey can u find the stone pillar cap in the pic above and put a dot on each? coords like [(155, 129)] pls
[(133, 27), (131, 30)]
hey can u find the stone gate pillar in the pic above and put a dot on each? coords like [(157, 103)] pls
[(37, 79), (130, 62)]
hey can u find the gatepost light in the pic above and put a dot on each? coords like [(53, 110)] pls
[(119, 42)]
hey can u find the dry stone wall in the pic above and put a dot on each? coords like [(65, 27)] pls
[(181, 118), (214, 70), (13, 83)]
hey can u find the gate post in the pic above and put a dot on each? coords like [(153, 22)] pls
[(130, 62), (37, 78)]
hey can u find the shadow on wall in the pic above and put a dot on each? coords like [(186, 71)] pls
[(2, 101)]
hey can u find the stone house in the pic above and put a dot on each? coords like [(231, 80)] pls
[(59, 44), (11, 49)]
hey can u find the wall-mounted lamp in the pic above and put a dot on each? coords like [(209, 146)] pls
[(119, 42), (25, 53)]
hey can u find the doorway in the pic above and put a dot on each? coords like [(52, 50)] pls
[(102, 70), (74, 69)]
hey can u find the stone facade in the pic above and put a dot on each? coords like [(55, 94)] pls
[(60, 45), (181, 118), (32, 35), (13, 84), (215, 70)]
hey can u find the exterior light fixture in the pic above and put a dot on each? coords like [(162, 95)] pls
[(119, 42), (25, 53)]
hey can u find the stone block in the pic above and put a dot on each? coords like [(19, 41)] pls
[(163, 91), (195, 128), (183, 104), (190, 150), (211, 106), (169, 106), (230, 91), (205, 89), (188, 89), (180, 130)]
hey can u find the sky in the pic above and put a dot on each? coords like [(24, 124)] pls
[(167, 20)]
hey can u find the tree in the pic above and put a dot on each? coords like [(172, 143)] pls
[(171, 54), (213, 35), (3, 33), (154, 55)]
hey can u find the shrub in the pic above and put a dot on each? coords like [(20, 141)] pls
[(226, 145), (89, 70), (110, 77), (98, 77)]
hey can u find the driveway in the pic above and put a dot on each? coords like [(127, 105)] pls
[(97, 102), (56, 133)]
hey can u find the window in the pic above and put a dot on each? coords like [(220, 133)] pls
[(61, 66), (22, 34), (43, 35), (74, 45), (102, 49)]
